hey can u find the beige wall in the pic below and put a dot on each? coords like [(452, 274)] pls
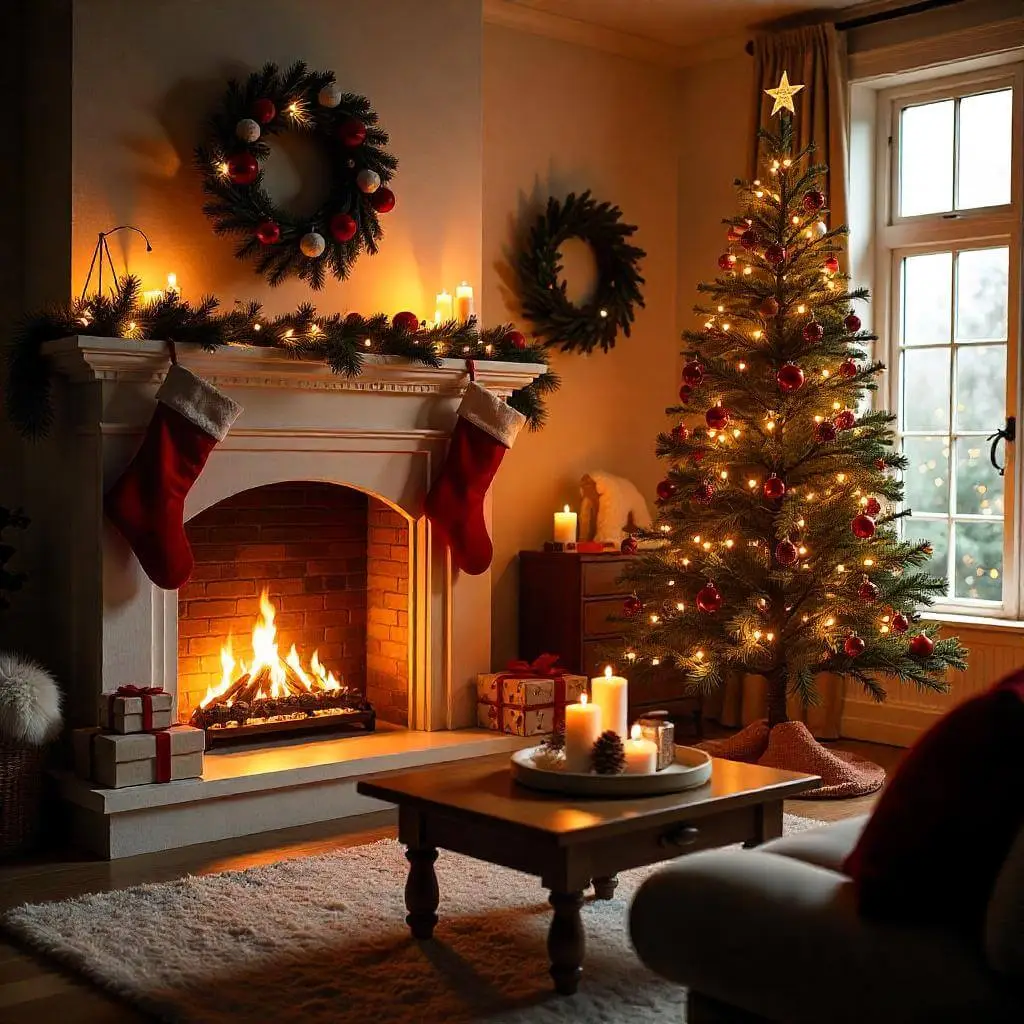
[(559, 118)]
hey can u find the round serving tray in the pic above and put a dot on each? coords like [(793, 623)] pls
[(692, 768)]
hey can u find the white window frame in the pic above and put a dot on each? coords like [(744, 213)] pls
[(897, 237)]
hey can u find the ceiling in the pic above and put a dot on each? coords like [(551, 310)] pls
[(678, 22)]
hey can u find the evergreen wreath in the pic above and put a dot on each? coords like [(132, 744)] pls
[(340, 341), (346, 223), (555, 319)]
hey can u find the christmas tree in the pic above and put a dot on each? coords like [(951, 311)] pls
[(777, 550)]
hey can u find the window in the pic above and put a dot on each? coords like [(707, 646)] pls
[(950, 253)]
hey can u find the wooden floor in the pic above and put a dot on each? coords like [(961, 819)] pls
[(31, 992)]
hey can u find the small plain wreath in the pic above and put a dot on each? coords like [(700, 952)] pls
[(556, 320), (346, 224)]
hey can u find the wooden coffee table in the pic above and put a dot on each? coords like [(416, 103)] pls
[(473, 807)]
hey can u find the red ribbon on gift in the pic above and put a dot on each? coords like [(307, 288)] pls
[(131, 690), (544, 666), (163, 754)]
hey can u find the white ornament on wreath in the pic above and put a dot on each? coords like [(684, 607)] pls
[(368, 181), (329, 95), (247, 130), (312, 244)]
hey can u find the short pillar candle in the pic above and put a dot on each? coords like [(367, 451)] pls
[(565, 526), (641, 754), (611, 695), (582, 728)]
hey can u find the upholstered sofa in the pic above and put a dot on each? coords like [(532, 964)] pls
[(773, 935)]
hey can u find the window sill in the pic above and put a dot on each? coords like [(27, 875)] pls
[(974, 621)]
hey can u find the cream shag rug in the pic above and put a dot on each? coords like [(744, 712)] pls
[(322, 940)]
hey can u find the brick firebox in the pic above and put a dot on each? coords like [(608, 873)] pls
[(336, 565)]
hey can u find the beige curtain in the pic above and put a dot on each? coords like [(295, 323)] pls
[(814, 57)]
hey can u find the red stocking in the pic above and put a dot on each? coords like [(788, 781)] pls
[(485, 429), (147, 504)]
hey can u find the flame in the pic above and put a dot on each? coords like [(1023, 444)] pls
[(266, 658)]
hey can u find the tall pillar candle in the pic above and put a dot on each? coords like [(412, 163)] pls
[(463, 302), (565, 527), (582, 728), (611, 695), (443, 308)]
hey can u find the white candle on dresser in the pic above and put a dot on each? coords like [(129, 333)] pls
[(463, 302), (641, 754), (565, 526), (611, 695), (582, 728)]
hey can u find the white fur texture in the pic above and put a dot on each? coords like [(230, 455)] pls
[(29, 702), (610, 505)]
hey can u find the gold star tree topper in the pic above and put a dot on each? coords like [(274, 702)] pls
[(783, 95)]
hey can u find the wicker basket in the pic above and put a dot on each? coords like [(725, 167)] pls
[(21, 784)]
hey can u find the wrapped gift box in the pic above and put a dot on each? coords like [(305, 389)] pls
[(116, 760), (126, 712), (522, 705)]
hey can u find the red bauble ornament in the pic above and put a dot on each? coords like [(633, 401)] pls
[(922, 645), (853, 645), (685, 391), (769, 307), (873, 507), (263, 110), (717, 417), (749, 239), (268, 232), (665, 490), (880, 464), (863, 527), (900, 623), (775, 254), (726, 261), (243, 169), (773, 488), (693, 373), (734, 234), (406, 321), (680, 432), (343, 227), (790, 378), (867, 592), (848, 368), (832, 265), (709, 598), (704, 494), (352, 133), (824, 432), (632, 605), (516, 339), (844, 420), (813, 200), (383, 200), (813, 331), (786, 552), (698, 456), (628, 546), (852, 323)]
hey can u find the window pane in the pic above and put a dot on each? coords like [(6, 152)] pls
[(984, 151), (926, 479), (927, 298), (979, 561), (925, 379), (937, 534), (980, 386), (979, 488), (926, 158), (981, 294)]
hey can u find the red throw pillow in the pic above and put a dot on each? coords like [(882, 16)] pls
[(943, 827)]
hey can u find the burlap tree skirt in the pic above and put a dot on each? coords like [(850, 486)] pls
[(791, 746)]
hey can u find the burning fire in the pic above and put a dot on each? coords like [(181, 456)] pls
[(277, 678)]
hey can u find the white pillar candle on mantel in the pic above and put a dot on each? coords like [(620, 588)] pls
[(611, 695), (565, 526), (582, 728), (463, 302), (443, 308), (641, 754)]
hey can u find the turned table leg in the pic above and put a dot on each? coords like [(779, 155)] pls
[(421, 893), (566, 941), (604, 888)]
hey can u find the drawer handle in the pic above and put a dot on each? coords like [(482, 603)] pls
[(680, 838)]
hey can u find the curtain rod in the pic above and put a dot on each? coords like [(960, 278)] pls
[(882, 16)]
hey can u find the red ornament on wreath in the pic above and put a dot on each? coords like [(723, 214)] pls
[(775, 254), (693, 373), (863, 527), (685, 391), (769, 307), (628, 546), (880, 464), (749, 239), (726, 261), (665, 489), (352, 133), (704, 494), (848, 368), (814, 200), (852, 323), (632, 606), (263, 110), (734, 234), (343, 227), (516, 339), (900, 623), (786, 552), (844, 420), (243, 169), (922, 646), (867, 592), (832, 265), (383, 200), (698, 456), (773, 488), (680, 432), (813, 331), (790, 378), (824, 432), (709, 598), (717, 417), (406, 321), (854, 645), (268, 232), (873, 507)]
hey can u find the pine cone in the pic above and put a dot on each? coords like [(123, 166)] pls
[(609, 755)]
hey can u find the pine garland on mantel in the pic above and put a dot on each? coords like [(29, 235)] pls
[(342, 342)]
